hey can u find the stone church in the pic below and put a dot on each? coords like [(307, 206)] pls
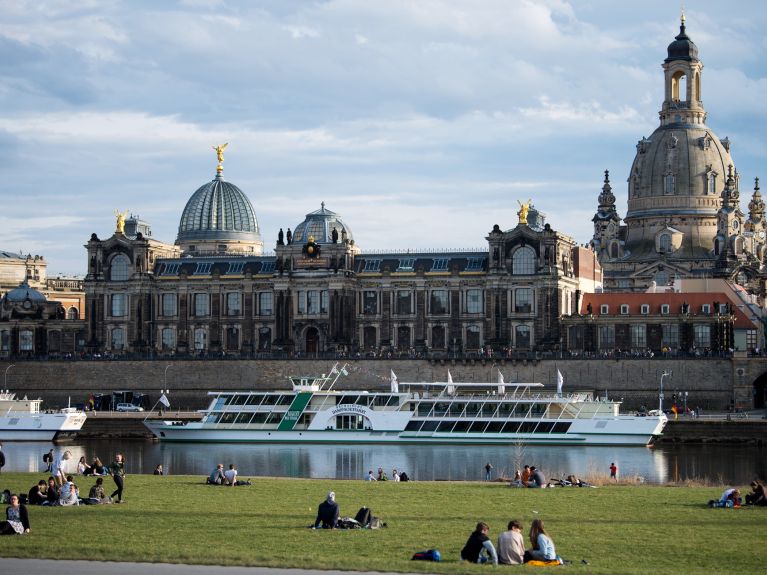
[(684, 216)]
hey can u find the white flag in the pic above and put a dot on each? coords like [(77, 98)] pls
[(501, 384), (164, 400), (394, 383), (560, 382), (449, 377), (500, 377), (343, 370)]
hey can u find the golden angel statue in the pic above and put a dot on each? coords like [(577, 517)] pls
[(523, 209), (120, 228), (220, 152)]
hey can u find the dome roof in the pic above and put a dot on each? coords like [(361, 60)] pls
[(320, 225), (23, 293), (682, 48), (218, 211)]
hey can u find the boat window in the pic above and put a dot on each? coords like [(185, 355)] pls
[(238, 399), (488, 410), (211, 418), (353, 422), (538, 408), (254, 399), (456, 409), (413, 425), (494, 427), (381, 400), (429, 425), (285, 400), (528, 426), (305, 419), (227, 418), (348, 399), (259, 418), (461, 426), (244, 417), (560, 428), (270, 399), (544, 427), (511, 427), (440, 409), (473, 408), (274, 418), (445, 426), (393, 401), (424, 408), (478, 426)]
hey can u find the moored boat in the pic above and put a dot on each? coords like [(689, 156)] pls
[(23, 420), (311, 411)]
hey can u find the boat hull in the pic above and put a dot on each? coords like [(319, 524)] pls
[(42, 427)]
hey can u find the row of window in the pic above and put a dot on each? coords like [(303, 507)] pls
[(439, 301), (373, 265), (403, 337), (55, 343), (665, 309), (168, 340), (487, 426), (637, 336)]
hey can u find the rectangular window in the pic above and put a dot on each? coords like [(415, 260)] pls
[(324, 301), (118, 338), (233, 303), (404, 302), (639, 336), (235, 268), (438, 302), (201, 304), (670, 335), (664, 309), (439, 265), (751, 339), (702, 335), (265, 303), (168, 304), (475, 264), (705, 308), (606, 337), (170, 269), (523, 300), (267, 268), (645, 309), (5, 340), (203, 268), (372, 266), (312, 302), (624, 309), (168, 338), (474, 301), (723, 308), (119, 305), (406, 265), (604, 309), (369, 302)]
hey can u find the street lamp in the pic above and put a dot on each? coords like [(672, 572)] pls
[(165, 375), (5, 379), (660, 395)]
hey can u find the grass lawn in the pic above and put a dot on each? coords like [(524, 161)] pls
[(178, 519)]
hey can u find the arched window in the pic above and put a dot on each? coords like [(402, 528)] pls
[(72, 313), (665, 243), (711, 184), (522, 336), (472, 337), (523, 261), (117, 338), (119, 268)]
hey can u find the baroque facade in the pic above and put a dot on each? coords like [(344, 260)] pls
[(684, 218), (214, 292)]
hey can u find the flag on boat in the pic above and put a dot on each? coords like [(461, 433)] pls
[(334, 370), (343, 370), (394, 383), (165, 401), (500, 378), (501, 384), (449, 377), (560, 382)]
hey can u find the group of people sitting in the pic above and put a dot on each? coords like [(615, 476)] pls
[(511, 545), (229, 477), (66, 494), (731, 497), (530, 477), (395, 475)]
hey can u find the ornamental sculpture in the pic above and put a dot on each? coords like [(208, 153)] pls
[(523, 209), (220, 155), (120, 226)]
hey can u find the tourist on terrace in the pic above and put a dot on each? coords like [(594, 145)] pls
[(526, 475), (479, 548), (543, 546), (16, 518), (231, 476), (394, 475), (511, 545), (327, 513), (158, 470)]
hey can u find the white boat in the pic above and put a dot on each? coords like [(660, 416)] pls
[(23, 420), (311, 411)]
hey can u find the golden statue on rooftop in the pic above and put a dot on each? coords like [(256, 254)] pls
[(120, 226), (523, 209), (220, 155)]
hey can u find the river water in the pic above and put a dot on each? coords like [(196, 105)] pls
[(730, 464)]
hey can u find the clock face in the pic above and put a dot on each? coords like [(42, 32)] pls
[(27, 304), (761, 235)]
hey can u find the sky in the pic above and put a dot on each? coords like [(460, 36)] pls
[(422, 123)]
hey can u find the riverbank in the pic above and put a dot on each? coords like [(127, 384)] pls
[(178, 519)]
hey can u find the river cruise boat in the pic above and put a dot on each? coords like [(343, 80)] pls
[(23, 420), (311, 411)]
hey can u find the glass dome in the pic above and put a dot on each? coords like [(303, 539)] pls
[(320, 225)]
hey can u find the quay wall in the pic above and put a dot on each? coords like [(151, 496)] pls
[(712, 384)]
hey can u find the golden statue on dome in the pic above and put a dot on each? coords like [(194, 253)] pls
[(523, 209), (120, 226), (220, 155)]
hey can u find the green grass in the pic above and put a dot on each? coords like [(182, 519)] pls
[(177, 519)]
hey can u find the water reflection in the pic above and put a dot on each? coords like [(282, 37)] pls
[(728, 464)]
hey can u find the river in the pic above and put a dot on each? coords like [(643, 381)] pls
[(730, 464)]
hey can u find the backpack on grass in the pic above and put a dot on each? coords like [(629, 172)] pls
[(429, 555)]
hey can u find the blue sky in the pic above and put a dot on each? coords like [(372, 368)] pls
[(422, 123)]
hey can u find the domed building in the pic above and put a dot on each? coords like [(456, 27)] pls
[(683, 218), (322, 225), (217, 219)]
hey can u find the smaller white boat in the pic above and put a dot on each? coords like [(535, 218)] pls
[(23, 420)]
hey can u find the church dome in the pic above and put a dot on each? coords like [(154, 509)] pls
[(219, 217), (682, 48), (320, 225), (24, 293)]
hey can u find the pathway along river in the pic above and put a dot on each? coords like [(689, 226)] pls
[(730, 464)]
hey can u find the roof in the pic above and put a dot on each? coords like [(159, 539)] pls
[(12, 255), (675, 301), (430, 263)]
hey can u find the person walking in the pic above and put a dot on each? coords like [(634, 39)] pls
[(613, 471), (488, 471), (117, 471)]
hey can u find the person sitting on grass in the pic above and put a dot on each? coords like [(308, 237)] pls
[(158, 470), (730, 498), (382, 475), (517, 481), (231, 476), (403, 476), (216, 476), (327, 513), (98, 468), (479, 548), (16, 518), (543, 547), (370, 476), (537, 478), (511, 545), (37, 495), (68, 493), (83, 468), (52, 493), (756, 497)]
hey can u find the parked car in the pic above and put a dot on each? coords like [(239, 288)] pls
[(128, 407)]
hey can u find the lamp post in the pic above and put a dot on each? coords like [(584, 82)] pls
[(5, 378), (660, 395), (165, 375)]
